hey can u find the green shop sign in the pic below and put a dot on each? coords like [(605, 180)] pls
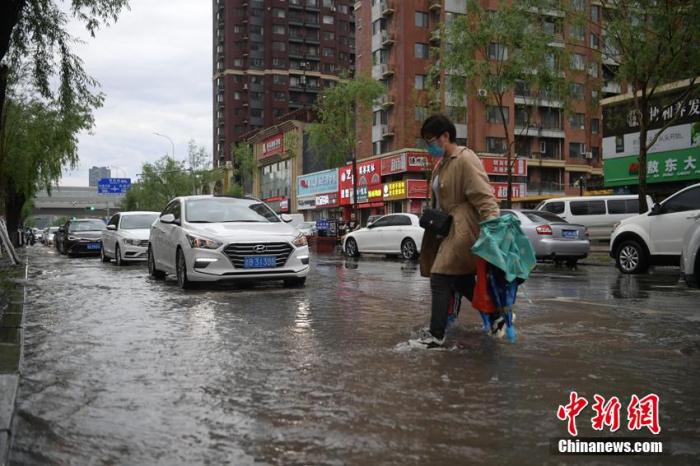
[(677, 165)]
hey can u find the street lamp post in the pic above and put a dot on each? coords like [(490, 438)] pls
[(172, 144)]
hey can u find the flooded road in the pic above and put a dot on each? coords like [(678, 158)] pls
[(122, 369)]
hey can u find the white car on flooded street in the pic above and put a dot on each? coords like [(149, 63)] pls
[(214, 238), (126, 237), (390, 234)]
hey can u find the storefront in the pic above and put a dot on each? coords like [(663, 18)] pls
[(318, 196), (673, 161), (369, 190), (405, 187)]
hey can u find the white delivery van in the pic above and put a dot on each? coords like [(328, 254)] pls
[(597, 213)]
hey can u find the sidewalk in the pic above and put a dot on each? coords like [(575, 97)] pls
[(12, 296)]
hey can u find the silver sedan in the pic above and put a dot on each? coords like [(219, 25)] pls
[(552, 237)]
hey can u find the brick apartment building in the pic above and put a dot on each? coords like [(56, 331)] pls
[(394, 43), (272, 57)]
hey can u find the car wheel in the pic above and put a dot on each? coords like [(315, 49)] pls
[(118, 256), (571, 263), (181, 271), (351, 248), (103, 255), (631, 258), (294, 282), (152, 270), (408, 249)]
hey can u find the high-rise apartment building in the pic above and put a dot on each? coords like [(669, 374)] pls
[(272, 57), (398, 42), (97, 173)]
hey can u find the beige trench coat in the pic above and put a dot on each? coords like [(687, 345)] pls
[(465, 193)]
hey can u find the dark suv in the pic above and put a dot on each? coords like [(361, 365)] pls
[(80, 237)]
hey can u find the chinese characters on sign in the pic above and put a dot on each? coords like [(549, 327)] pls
[(658, 113), (500, 190), (499, 166), (641, 413), (395, 190), (317, 183), (273, 146)]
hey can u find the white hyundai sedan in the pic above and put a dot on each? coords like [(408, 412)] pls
[(126, 237), (212, 238), (390, 234)]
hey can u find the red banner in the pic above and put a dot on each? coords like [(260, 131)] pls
[(273, 146), (368, 175), (499, 166), (500, 190), (417, 189), (406, 162)]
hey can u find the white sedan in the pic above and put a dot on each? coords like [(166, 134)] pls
[(390, 234), (126, 237), (208, 238)]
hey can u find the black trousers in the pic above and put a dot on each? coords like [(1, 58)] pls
[(442, 288)]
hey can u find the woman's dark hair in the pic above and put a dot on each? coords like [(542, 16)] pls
[(436, 125)]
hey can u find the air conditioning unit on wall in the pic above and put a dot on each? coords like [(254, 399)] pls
[(482, 93), (588, 155)]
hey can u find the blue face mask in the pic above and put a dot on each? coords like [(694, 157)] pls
[(435, 150)]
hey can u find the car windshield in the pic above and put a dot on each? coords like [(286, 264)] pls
[(53, 229), (543, 216), (137, 222), (221, 210), (87, 225)]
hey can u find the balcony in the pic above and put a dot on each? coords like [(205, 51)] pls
[(387, 7), (611, 87), (386, 71), (435, 5), (387, 131), (387, 39), (544, 187), (435, 37), (386, 101), (539, 131)]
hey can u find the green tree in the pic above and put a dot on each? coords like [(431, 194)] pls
[(649, 44), (489, 52), (159, 183), (203, 176), (342, 112), (244, 167), (37, 141)]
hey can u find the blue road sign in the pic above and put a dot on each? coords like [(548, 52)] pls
[(113, 186)]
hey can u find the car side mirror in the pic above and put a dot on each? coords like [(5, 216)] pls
[(167, 218), (656, 209), (286, 218), (370, 225), (111, 227)]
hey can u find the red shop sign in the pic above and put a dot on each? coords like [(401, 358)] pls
[(417, 189), (499, 166), (273, 146), (500, 190)]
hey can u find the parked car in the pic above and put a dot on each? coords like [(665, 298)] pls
[(49, 235), (208, 238), (81, 237), (307, 228), (656, 237), (690, 255), (38, 234), (126, 237), (597, 213), (390, 234), (552, 237)]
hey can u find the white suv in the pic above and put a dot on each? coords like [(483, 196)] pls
[(656, 237), (211, 238)]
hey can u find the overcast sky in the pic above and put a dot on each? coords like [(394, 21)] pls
[(154, 66)]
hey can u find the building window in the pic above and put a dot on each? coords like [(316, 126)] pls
[(237, 29), (279, 46), (279, 29), (256, 113), (593, 70), (595, 125), (421, 19), (421, 50), (577, 91), (498, 52), (595, 153), (619, 144), (595, 13), (595, 41), (256, 63), (280, 95), (493, 114), (279, 63), (578, 33), (236, 95), (578, 62), (496, 145), (421, 113), (238, 62), (327, 19), (456, 114), (420, 81), (328, 35), (578, 5), (577, 149), (577, 121), (278, 13), (279, 79), (328, 52)]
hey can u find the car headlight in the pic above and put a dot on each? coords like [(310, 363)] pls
[(203, 243), (132, 242), (72, 238), (300, 241)]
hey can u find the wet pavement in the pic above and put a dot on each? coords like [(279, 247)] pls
[(122, 369)]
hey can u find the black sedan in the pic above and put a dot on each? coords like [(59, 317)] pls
[(80, 237)]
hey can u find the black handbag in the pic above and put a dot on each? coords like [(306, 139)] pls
[(436, 221)]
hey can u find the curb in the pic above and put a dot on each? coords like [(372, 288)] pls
[(11, 352)]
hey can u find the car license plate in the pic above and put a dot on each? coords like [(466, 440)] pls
[(259, 262), (94, 246), (570, 234)]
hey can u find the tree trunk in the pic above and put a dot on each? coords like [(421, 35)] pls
[(13, 211)]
